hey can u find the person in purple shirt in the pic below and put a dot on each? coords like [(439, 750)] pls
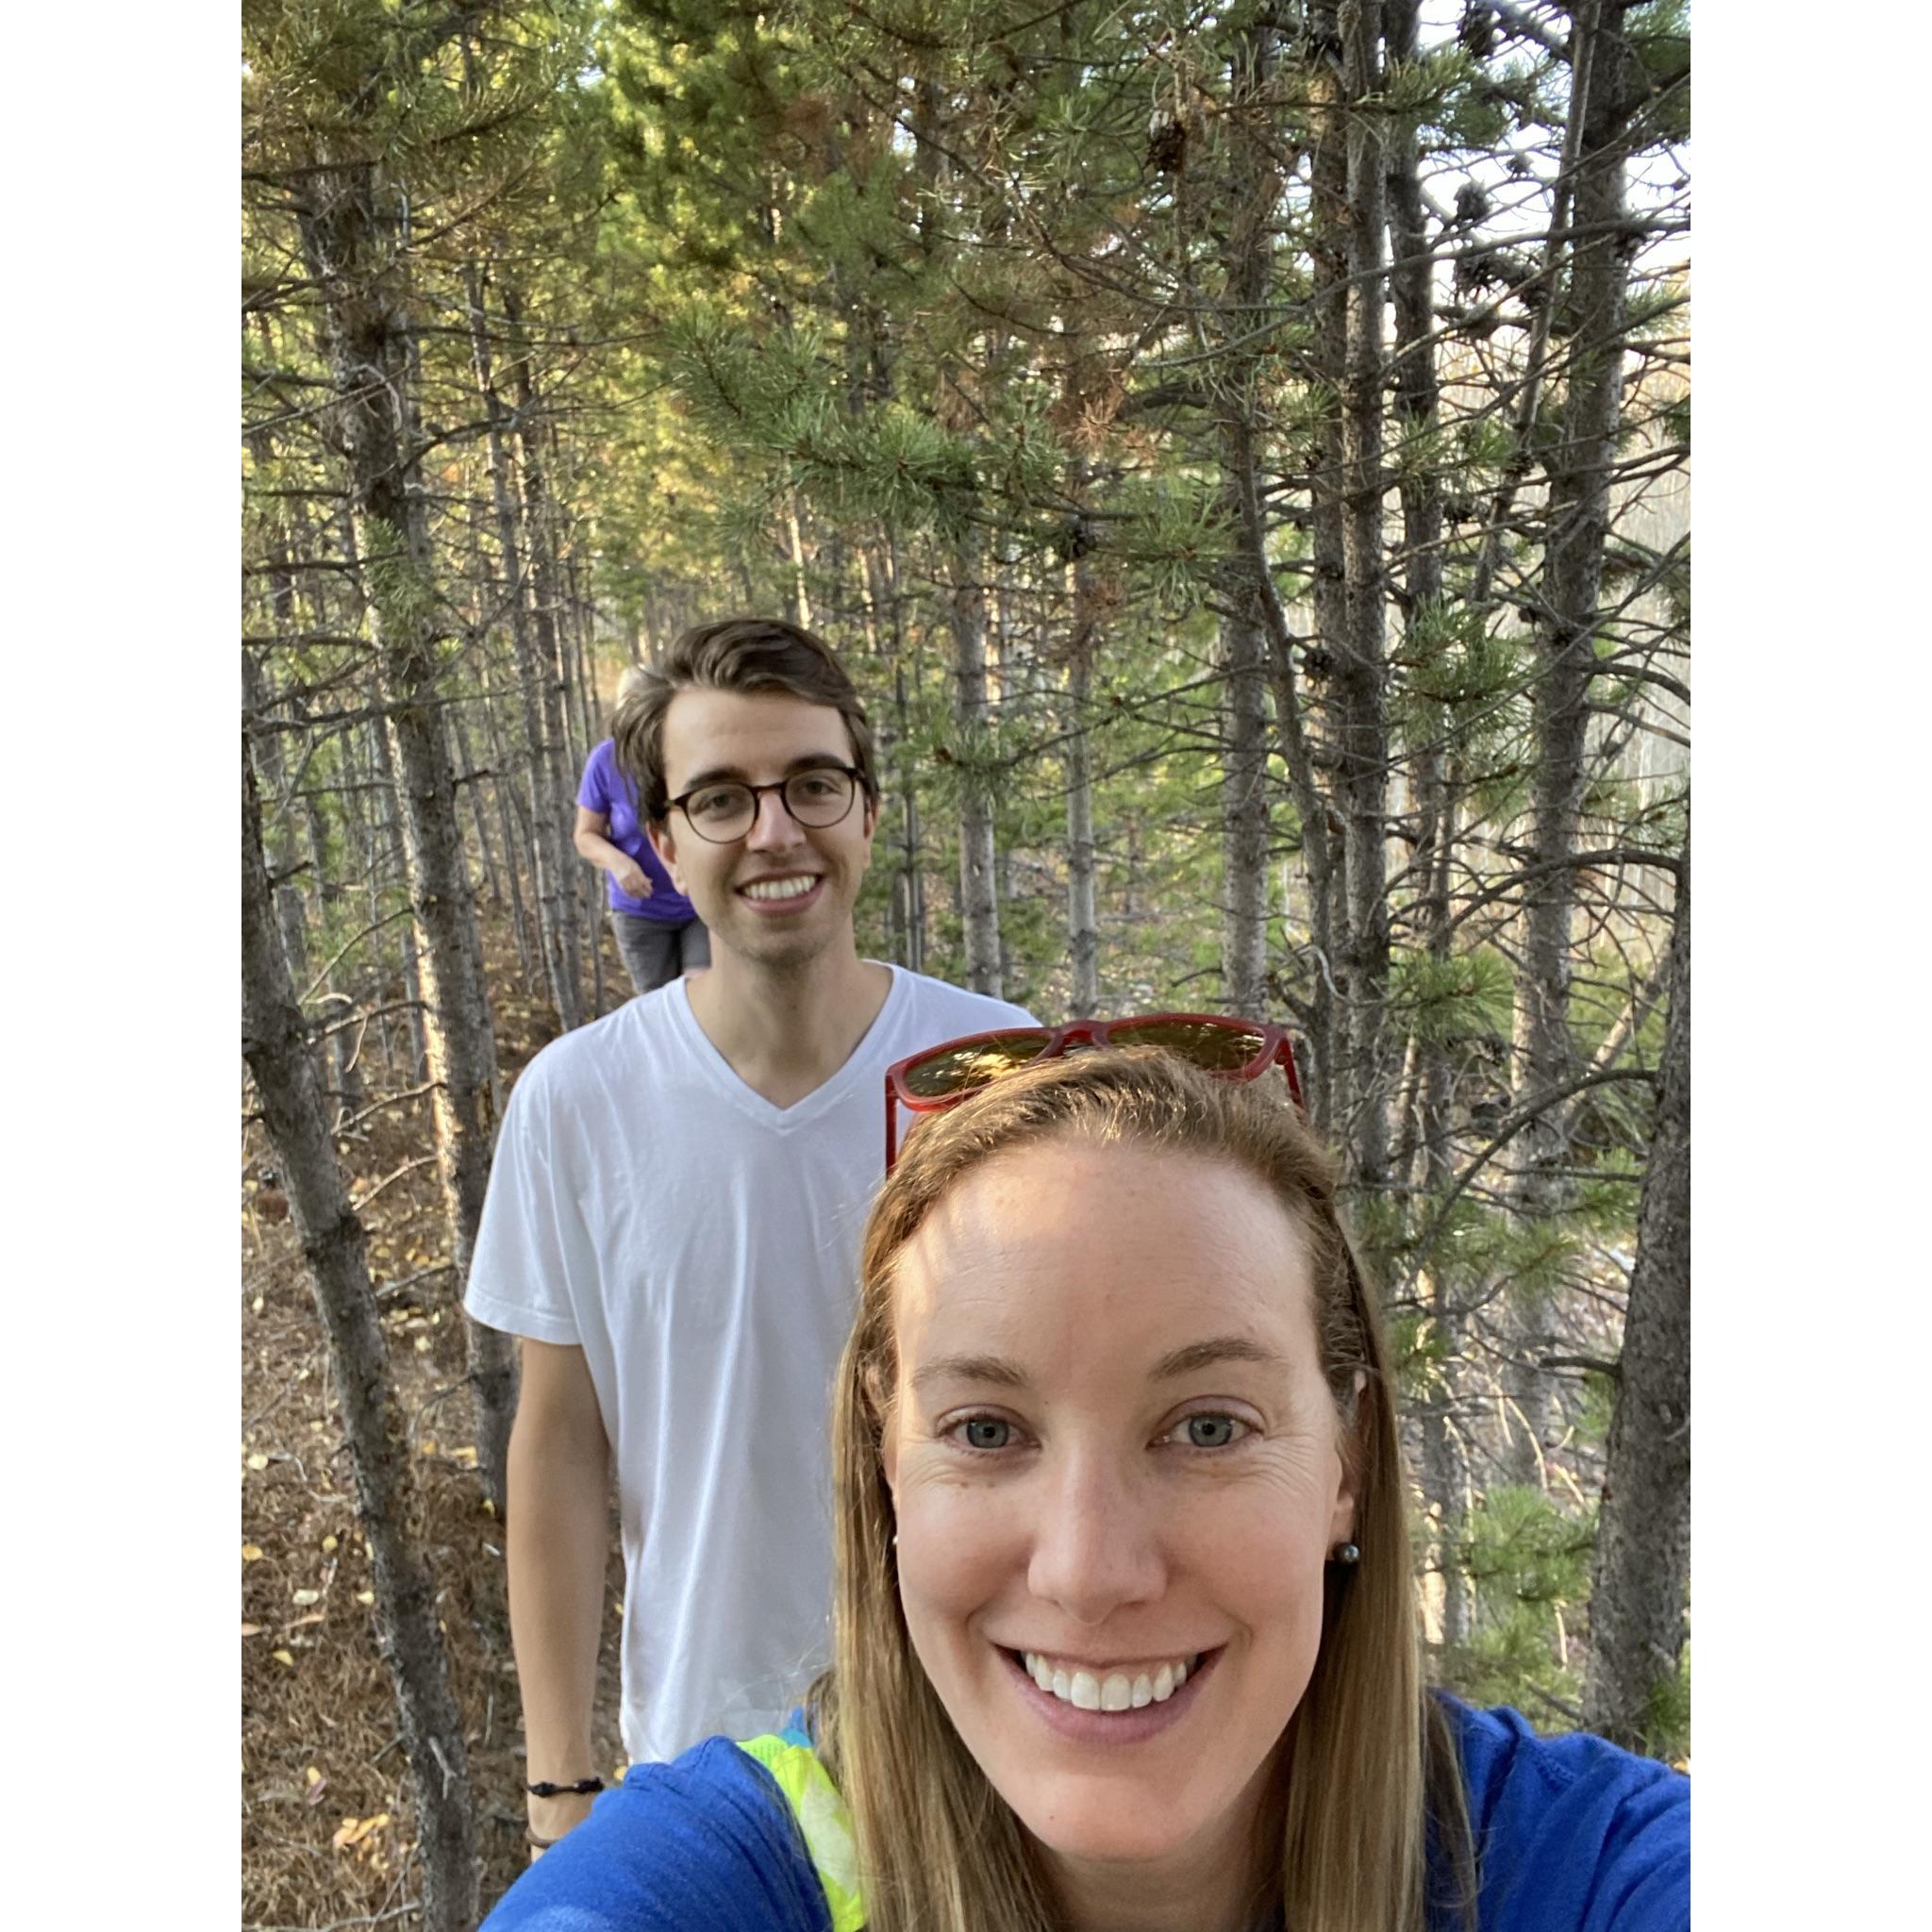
[(659, 933), (1125, 1631)]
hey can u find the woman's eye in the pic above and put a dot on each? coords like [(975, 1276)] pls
[(986, 1432), (1211, 1431)]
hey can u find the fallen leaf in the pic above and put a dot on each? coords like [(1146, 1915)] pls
[(282, 1657), (429, 1445), (466, 1456), (314, 1775), (257, 1461), (354, 1831), (313, 1616), (329, 1542), (258, 1304), (365, 1596), (306, 1597), (421, 1344), (251, 1553), (251, 1629)]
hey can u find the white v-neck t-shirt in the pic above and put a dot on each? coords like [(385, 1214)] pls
[(701, 1246)]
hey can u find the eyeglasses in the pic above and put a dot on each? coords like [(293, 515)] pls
[(941, 1077), (819, 796)]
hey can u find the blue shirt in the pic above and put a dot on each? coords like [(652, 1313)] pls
[(1573, 1834)]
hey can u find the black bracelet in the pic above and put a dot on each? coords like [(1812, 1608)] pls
[(582, 1789)]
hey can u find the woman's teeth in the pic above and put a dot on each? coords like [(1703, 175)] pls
[(1116, 1690)]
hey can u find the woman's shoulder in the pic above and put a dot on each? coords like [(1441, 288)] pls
[(1571, 1831), (706, 1841)]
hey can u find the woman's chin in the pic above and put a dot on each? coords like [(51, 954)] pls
[(1105, 1829)]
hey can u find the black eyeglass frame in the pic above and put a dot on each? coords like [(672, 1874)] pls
[(681, 803)]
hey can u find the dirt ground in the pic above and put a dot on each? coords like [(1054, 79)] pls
[(327, 1830)]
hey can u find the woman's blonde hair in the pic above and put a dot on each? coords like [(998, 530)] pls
[(1367, 1756)]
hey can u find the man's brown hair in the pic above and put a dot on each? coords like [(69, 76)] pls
[(738, 653)]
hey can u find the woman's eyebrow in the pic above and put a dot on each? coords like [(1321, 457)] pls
[(972, 1368), (1204, 1355)]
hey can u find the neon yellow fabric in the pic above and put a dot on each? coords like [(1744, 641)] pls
[(823, 1820)]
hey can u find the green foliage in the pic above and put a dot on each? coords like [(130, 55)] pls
[(1447, 1001), (1529, 1561)]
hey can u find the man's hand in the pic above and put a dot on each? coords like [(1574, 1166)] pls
[(632, 878), (552, 1818)]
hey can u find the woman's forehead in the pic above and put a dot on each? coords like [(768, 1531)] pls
[(1063, 1235)]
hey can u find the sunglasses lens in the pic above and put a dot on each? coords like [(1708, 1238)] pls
[(966, 1067), (1219, 1049)]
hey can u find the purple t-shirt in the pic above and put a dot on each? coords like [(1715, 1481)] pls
[(606, 790)]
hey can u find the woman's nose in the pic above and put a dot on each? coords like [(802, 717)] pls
[(1096, 1541)]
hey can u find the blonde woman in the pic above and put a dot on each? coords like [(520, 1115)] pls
[(1127, 1634)]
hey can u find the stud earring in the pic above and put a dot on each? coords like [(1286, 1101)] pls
[(1346, 1552)]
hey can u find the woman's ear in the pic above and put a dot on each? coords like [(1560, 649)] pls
[(1341, 1519), (875, 1400)]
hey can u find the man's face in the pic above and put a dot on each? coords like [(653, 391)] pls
[(782, 893)]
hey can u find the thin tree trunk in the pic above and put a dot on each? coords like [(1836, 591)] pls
[(1244, 817), (472, 782), (512, 811), (333, 1245), (1327, 363), (1360, 666), (885, 574), (1642, 1573), (365, 329), (1083, 924), (1253, 189), (409, 951), (1444, 1460), (1579, 467), (979, 903), (536, 661)]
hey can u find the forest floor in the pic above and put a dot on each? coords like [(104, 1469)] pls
[(327, 1829)]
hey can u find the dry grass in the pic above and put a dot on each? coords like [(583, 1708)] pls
[(326, 1832)]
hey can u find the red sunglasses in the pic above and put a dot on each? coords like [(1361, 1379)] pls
[(941, 1077)]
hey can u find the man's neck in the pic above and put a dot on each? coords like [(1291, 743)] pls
[(785, 1033)]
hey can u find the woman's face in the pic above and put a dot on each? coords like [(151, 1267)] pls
[(1117, 1468)]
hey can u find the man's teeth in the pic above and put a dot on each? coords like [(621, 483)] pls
[(1088, 1691), (779, 889)]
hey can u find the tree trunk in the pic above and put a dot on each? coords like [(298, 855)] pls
[(277, 1051), (1644, 1531), (1444, 1461), (535, 642), (1083, 924), (1327, 363), (1361, 667), (1244, 817), (1578, 468), (980, 905), (365, 328)]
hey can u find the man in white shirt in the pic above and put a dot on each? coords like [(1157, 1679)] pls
[(674, 1219)]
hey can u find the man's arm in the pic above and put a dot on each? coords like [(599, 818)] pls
[(558, 1529)]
